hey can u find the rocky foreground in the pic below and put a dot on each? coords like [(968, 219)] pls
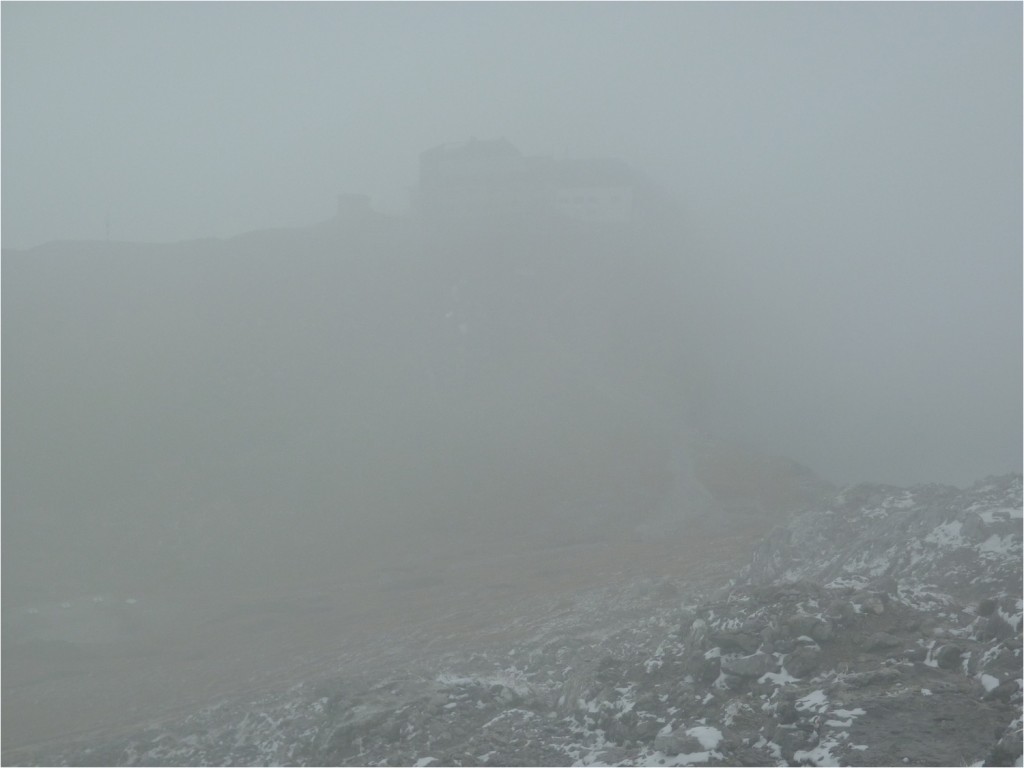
[(883, 628)]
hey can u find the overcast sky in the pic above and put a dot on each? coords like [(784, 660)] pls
[(851, 172)]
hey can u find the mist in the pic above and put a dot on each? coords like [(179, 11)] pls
[(220, 379), (849, 176)]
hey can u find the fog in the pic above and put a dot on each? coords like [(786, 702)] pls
[(216, 382)]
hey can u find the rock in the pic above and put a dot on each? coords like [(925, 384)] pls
[(752, 666), (823, 631), (948, 727), (894, 707), (676, 742), (609, 670), (646, 730), (996, 628), (610, 756), (842, 612), (698, 637), (754, 626), (803, 662), (705, 667), (885, 586), (910, 623), (812, 626), (783, 645), (619, 727), (972, 527), (987, 606), (686, 619), (881, 641), (914, 655), (1007, 750), (737, 684), (735, 641), (1004, 692), (791, 740), (1001, 662), (786, 711), (871, 677), (869, 603), (948, 656), (666, 590)]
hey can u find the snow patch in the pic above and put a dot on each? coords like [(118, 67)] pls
[(813, 702), (998, 514), (990, 682), (947, 533), (999, 545), (708, 737), (820, 755), (782, 677), (855, 712)]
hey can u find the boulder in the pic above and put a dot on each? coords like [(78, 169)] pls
[(885, 676), (783, 645), (812, 626), (792, 740), (804, 661), (698, 635), (987, 606), (995, 627), (882, 641), (1008, 749), (842, 612), (914, 655), (752, 666), (786, 710), (948, 656), (705, 667), (686, 619), (735, 641), (885, 586), (1003, 692), (677, 742), (869, 602)]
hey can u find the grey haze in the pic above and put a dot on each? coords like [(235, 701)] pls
[(849, 174), (230, 407)]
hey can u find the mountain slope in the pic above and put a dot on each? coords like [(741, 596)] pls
[(229, 409), (858, 662)]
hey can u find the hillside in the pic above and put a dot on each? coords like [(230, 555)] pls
[(269, 406), (827, 649), (364, 493), (174, 404)]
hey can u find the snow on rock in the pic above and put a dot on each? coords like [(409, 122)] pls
[(708, 737), (928, 535)]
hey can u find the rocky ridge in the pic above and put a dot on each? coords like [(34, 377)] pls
[(883, 628)]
